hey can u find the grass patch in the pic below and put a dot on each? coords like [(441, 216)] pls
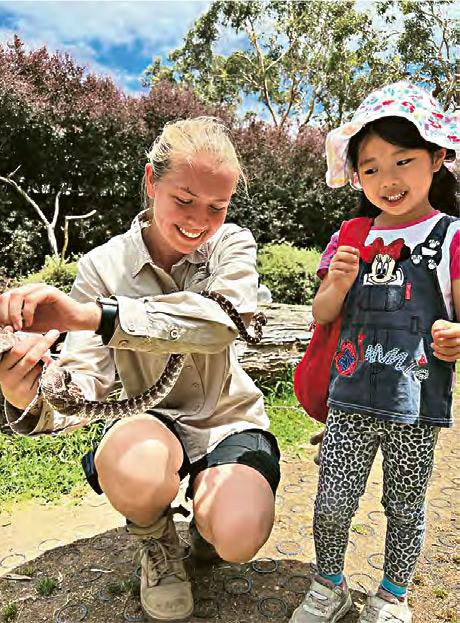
[(117, 588), (9, 612), (48, 467), (46, 586), (45, 466), (288, 421), (440, 592)]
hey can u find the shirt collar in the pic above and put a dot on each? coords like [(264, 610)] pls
[(141, 256)]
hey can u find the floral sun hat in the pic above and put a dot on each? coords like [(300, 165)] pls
[(400, 99)]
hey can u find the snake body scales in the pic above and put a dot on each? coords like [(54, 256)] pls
[(62, 394)]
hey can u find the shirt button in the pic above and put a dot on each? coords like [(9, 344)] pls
[(174, 334), (131, 326), (195, 385), (123, 343)]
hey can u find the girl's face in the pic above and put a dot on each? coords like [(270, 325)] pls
[(189, 204), (397, 180)]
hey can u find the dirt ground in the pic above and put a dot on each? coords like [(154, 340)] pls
[(87, 550)]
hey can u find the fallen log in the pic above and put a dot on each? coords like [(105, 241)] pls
[(285, 339)]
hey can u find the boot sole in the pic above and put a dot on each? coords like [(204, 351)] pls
[(151, 619)]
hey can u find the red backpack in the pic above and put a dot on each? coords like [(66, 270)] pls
[(312, 375)]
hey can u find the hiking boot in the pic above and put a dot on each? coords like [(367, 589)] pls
[(385, 608), (202, 551), (324, 603), (166, 593)]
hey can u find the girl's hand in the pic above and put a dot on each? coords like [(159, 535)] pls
[(344, 267), (317, 440), (446, 340), (38, 308), (21, 367)]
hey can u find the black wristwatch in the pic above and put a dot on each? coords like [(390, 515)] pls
[(109, 315)]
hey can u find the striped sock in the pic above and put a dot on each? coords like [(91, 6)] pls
[(395, 589), (336, 579)]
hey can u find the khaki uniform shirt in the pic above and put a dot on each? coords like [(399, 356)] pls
[(159, 314)]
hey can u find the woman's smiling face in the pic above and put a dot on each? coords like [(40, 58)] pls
[(190, 204)]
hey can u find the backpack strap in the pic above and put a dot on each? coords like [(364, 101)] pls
[(354, 232)]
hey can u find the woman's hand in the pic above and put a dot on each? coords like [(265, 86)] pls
[(39, 307), (446, 340), (344, 267), (20, 367)]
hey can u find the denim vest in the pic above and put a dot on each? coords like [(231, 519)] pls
[(384, 364)]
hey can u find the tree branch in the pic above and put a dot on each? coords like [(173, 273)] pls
[(49, 229), (253, 38), (76, 217)]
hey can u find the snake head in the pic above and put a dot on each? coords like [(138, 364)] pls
[(58, 387)]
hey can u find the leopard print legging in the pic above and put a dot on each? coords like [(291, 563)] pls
[(348, 451)]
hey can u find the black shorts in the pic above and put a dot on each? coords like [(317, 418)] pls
[(255, 447)]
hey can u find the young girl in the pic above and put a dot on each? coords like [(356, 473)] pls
[(135, 300), (392, 375)]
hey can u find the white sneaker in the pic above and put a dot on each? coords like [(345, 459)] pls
[(323, 604), (379, 610)]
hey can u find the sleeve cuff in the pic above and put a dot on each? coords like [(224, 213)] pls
[(36, 420)]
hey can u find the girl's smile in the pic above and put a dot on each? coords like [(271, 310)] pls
[(397, 180), (395, 200)]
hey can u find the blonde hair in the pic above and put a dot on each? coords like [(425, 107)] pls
[(180, 141)]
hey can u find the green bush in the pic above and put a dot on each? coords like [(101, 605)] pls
[(289, 272), (54, 273)]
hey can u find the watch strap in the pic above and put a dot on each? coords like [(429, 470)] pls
[(109, 308)]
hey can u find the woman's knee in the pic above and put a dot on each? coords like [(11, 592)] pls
[(237, 536), (138, 461)]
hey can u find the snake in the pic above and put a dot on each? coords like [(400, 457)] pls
[(57, 388)]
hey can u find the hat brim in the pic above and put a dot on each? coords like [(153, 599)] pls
[(339, 171)]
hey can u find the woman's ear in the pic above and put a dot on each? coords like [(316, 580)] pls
[(149, 184), (438, 159)]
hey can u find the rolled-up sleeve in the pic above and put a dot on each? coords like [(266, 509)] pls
[(181, 322)]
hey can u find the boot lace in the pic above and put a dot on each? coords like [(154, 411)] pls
[(164, 554)]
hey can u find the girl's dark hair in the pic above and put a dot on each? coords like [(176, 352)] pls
[(402, 133)]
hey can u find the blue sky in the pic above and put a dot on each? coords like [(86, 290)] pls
[(110, 37)]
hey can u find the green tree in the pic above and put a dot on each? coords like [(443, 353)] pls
[(70, 135), (426, 44), (308, 60)]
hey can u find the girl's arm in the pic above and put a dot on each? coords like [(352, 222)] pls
[(456, 298), (342, 273), (446, 335)]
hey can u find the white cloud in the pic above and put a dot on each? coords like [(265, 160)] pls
[(90, 30)]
